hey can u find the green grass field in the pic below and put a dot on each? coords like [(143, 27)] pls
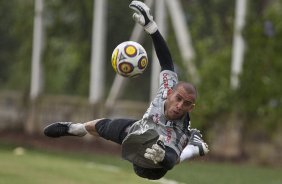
[(44, 167)]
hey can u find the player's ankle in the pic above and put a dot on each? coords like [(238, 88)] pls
[(77, 129)]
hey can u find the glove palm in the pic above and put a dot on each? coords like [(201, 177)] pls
[(143, 16), (157, 152)]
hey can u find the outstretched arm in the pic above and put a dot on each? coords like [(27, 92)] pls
[(162, 51), (144, 18)]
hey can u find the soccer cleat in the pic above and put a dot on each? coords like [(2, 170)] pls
[(58, 129), (196, 140)]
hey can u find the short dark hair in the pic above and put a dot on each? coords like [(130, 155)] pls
[(149, 173), (189, 88)]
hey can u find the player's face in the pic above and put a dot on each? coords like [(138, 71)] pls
[(178, 103)]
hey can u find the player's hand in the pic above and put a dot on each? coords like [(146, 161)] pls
[(157, 152), (197, 140), (143, 16)]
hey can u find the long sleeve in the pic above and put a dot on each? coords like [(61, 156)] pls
[(162, 51), (170, 158)]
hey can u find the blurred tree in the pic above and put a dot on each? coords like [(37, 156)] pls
[(260, 94), (15, 43), (211, 26), (68, 41)]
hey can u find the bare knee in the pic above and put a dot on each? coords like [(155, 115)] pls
[(90, 126)]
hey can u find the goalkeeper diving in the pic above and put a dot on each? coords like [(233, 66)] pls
[(163, 137)]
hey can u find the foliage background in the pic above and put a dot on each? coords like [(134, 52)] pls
[(68, 43)]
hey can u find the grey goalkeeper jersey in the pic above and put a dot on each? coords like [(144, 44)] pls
[(145, 132)]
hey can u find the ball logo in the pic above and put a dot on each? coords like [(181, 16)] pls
[(130, 50), (126, 67), (142, 63)]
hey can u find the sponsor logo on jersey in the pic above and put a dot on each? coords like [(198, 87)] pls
[(168, 135), (165, 80), (156, 118)]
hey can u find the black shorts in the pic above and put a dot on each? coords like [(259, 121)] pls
[(114, 130), (149, 173)]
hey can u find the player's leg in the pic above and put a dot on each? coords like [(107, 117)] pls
[(114, 130), (90, 126), (59, 129)]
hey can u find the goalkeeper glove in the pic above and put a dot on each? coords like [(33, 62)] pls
[(157, 152), (197, 141), (196, 146), (143, 16)]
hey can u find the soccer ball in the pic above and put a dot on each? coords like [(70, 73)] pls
[(129, 59)]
